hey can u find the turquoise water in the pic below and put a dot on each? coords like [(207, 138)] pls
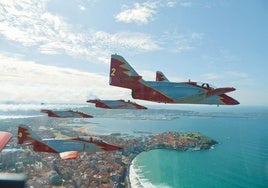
[(239, 160)]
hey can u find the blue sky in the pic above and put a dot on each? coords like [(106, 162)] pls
[(55, 53)]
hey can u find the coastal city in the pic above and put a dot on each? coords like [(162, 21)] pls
[(133, 94), (101, 169)]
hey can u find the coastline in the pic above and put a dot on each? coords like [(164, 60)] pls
[(127, 178), (172, 141), (24, 159), (83, 130), (191, 141), (113, 168)]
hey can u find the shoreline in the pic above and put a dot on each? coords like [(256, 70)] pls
[(191, 141), (127, 177), (101, 163), (83, 130)]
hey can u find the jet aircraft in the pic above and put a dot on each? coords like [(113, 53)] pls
[(66, 114), (68, 148), (164, 91), (116, 104)]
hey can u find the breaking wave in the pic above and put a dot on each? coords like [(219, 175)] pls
[(137, 179)]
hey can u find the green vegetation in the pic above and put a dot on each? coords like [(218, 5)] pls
[(198, 137)]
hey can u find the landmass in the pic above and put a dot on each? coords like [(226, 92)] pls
[(103, 169)]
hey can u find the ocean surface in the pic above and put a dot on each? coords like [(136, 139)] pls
[(239, 160)]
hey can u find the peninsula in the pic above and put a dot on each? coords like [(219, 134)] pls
[(103, 169)]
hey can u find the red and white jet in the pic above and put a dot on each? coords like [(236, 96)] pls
[(68, 148), (65, 114), (116, 104), (164, 91)]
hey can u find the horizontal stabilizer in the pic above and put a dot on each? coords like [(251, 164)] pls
[(219, 91), (40, 146), (69, 155)]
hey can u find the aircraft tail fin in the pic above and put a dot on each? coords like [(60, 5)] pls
[(160, 77), (122, 74), (25, 134)]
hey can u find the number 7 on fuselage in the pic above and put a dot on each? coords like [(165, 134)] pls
[(123, 75)]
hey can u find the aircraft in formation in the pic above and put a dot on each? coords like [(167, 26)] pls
[(164, 91), (122, 75), (116, 104), (67, 148), (65, 114)]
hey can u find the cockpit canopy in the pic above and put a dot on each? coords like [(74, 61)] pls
[(205, 85), (91, 139)]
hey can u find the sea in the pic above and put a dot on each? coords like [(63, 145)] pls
[(239, 160)]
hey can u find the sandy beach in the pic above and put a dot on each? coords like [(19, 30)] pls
[(83, 130)]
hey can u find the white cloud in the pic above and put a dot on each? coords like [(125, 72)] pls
[(81, 7), (140, 14), (227, 75), (178, 42), (171, 3), (27, 81), (221, 56), (211, 76), (186, 4), (227, 56), (237, 74), (30, 24), (147, 75), (230, 78)]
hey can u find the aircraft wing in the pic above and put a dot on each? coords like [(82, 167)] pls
[(99, 143), (65, 114), (219, 91), (99, 103), (67, 148), (116, 104), (87, 140), (4, 138), (40, 146)]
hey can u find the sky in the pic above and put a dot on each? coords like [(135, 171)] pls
[(57, 51)]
